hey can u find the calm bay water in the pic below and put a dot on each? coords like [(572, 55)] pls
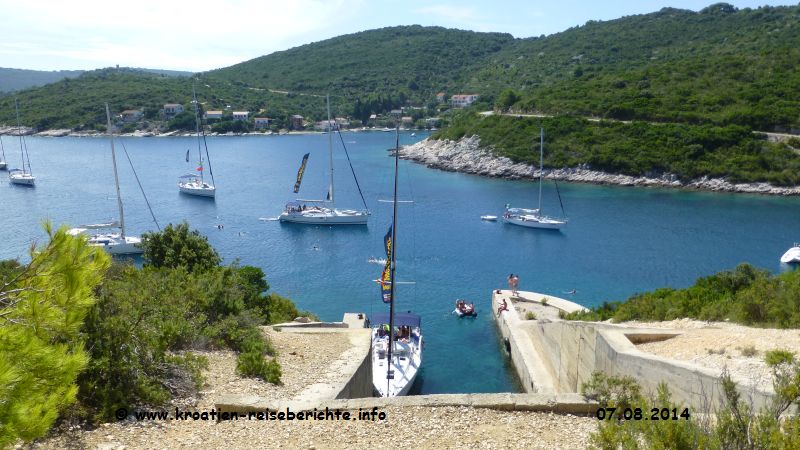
[(619, 240)]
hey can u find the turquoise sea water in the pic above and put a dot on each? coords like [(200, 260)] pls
[(619, 240)]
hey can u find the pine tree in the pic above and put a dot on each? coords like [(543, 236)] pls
[(42, 307)]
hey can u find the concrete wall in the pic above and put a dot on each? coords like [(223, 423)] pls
[(360, 381), (557, 356), (529, 364), (690, 384), (569, 352)]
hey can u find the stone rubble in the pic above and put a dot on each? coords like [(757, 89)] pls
[(467, 156)]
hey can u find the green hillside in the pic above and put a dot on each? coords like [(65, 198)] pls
[(18, 79), (710, 77), (717, 65)]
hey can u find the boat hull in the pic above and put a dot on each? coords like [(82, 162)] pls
[(200, 191), (326, 217), (405, 368), (535, 222), (23, 180), (3, 165), (792, 256), (112, 243)]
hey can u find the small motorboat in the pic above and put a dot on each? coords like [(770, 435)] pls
[(465, 309), (488, 217)]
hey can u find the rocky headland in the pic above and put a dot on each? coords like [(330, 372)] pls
[(467, 156)]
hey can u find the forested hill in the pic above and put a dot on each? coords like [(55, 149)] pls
[(415, 61), (719, 65)]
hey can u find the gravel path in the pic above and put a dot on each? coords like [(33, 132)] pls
[(719, 345), (413, 427), (301, 357)]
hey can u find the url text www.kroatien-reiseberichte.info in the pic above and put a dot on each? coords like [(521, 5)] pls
[(368, 415)]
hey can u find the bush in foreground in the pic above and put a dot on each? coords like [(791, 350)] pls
[(42, 306), (736, 425)]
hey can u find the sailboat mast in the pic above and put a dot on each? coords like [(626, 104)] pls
[(541, 165), (330, 149), (116, 176), (2, 149), (19, 133), (389, 371), (197, 130)]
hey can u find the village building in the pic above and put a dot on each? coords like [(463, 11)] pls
[(296, 122), (463, 100), (213, 115), (261, 123), (131, 115), (172, 109)]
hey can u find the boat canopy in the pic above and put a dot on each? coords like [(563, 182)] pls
[(400, 319), (189, 175)]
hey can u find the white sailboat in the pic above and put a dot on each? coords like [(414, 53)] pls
[(533, 218), (24, 176), (3, 163), (115, 243), (322, 212), (194, 183), (792, 256), (396, 337)]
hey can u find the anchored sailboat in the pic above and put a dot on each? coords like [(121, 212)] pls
[(533, 218), (396, 337), (792, 256), (24, 176), (323, 212), (115, 243), (3, 163), (194, 183)]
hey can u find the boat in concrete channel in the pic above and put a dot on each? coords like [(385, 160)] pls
[(396, 337)]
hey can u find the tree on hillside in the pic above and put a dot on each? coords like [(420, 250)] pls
[(175, 246), (42, 308), (507, 98)]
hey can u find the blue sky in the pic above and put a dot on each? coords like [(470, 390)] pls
[(198, 36)]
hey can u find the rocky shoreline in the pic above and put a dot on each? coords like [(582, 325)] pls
[(467, 156)]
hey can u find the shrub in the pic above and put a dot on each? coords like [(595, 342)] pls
[(253, 364), (530, 315), (175, 246), (749, 351)]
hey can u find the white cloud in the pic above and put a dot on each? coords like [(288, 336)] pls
[(160, 34)]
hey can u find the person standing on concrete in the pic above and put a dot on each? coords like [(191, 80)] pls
[(511, 282), (514, 285)]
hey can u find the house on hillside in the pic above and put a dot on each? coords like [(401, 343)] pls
[(463, 100), (296, 122), (172, 109), (407, 121), (131, 115), (213, 115), (262, 122), (440, 97), (241, 115), (324, 125)]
